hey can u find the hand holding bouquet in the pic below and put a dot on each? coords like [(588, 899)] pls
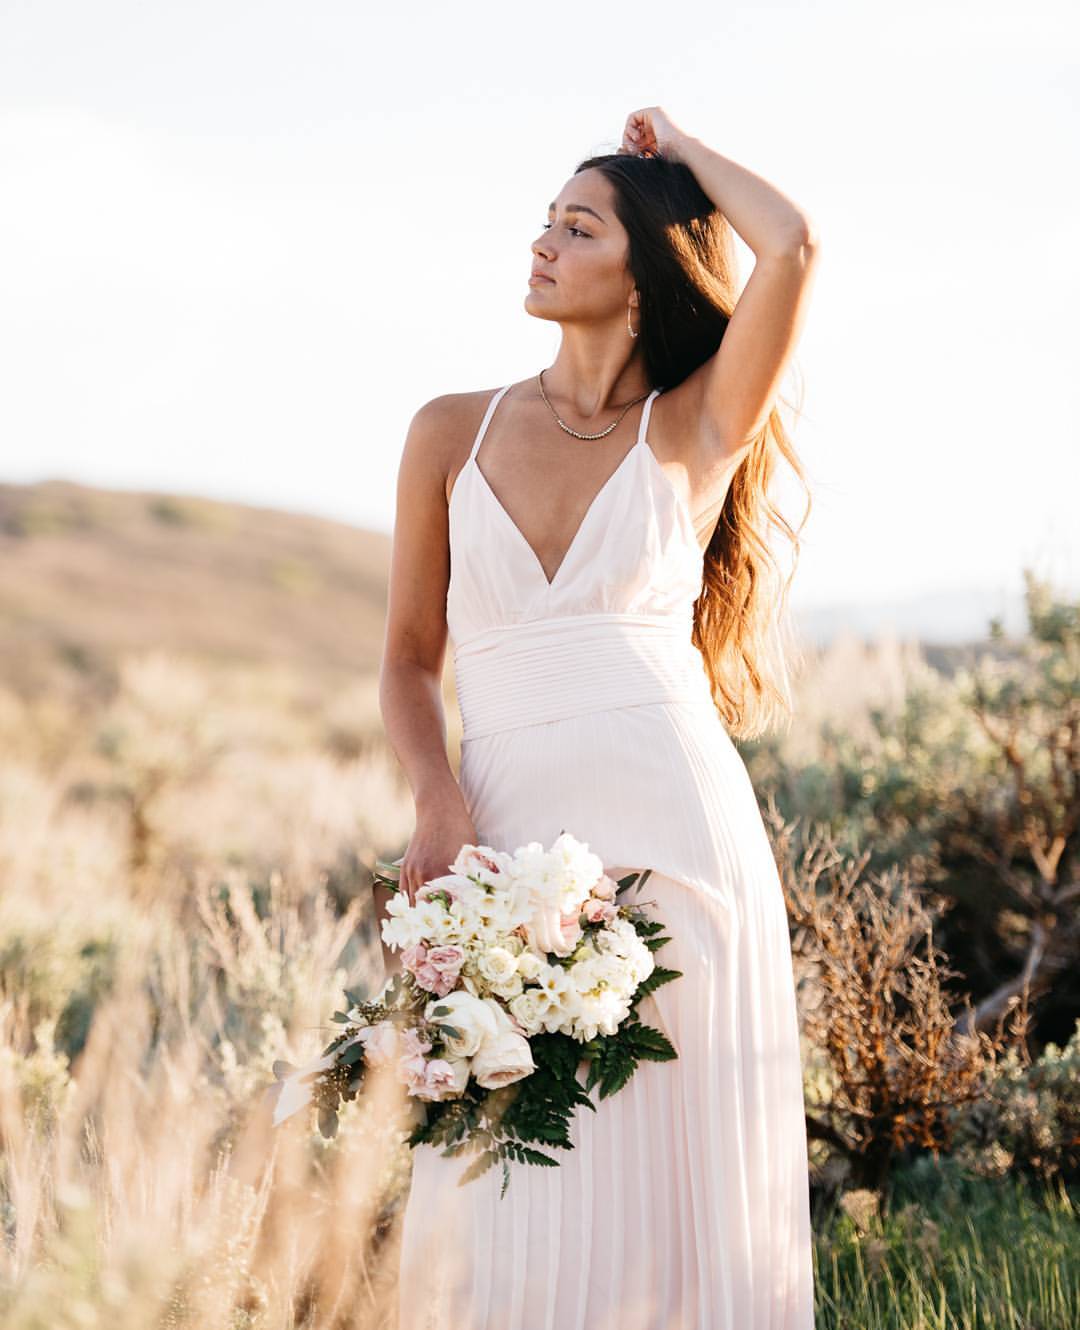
[(517, 968)]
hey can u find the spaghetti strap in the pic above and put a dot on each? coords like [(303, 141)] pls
[(487, 417), (645, 411)]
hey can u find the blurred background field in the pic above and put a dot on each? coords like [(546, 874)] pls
[(194, 788)]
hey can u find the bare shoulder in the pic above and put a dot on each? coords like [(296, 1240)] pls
[(442, 430), (442, 413), (438, 439)]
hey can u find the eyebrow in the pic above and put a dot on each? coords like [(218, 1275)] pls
[(579, 207)]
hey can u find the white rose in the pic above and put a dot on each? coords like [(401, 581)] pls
[(502, 1059), (470, 1016)]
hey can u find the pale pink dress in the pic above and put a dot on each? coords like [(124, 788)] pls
[(684, 1204)]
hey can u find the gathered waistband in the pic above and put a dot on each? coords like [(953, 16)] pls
[(555, 668)]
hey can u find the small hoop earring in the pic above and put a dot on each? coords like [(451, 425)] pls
[(628, 328)]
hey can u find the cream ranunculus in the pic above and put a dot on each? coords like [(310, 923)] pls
[(513, 986), (470, 1016), (497, 965), (529, 965), (529, 1010)]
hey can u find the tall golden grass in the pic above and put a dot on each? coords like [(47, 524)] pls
[(184, 895)]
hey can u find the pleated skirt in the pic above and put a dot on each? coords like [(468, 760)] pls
[(685, 1201)]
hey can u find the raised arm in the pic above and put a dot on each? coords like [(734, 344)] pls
[(738, 385), (733, 392)]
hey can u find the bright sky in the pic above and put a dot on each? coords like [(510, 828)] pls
[(242, 243)]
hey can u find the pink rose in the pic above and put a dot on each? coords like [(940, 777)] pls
[(411, 1064), (444, 1078), (475, 861), (413, 1042), (380, 1042), (599, 911), (570, 924), (411, 1073), (412, 958), (606, 888), (439, 886), (435, 969), (442, 967)]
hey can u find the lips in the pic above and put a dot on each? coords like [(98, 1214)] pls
[(542, 275)]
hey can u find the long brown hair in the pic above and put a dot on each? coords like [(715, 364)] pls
[(682, 258)]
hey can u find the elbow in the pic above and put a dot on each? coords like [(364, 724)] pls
[(800, 242), (406, 665), (804, 237)]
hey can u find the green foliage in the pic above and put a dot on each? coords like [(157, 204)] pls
[(1029, 1121)]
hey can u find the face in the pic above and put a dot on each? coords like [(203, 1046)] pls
[(584, 250)]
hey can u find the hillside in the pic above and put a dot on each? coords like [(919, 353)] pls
[(88, 574)]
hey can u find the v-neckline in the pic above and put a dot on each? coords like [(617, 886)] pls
[(550, 582)]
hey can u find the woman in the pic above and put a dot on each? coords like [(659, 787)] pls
[(599, 558)]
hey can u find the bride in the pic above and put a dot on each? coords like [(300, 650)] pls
[(594, 538)]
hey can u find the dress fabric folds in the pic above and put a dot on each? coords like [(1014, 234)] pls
[(586, 708)]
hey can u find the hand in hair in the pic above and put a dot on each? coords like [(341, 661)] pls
[(651, 132)]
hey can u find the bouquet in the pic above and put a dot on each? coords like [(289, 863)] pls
[(517, 969)]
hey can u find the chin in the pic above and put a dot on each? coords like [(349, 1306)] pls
[(540, 313)]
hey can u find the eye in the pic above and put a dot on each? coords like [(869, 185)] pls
[(547, 226)]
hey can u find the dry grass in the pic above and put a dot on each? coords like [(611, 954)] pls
[(185, 877), (193, 789)]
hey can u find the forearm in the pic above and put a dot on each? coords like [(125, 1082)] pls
[(414, 718), (768, 221)]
